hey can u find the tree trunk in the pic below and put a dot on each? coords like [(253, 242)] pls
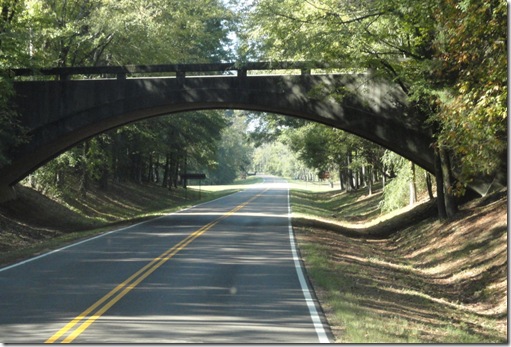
[(451, 205), (32, 181), (166, 170), (150, 175), (59, 178), (103, 179), (359, 178), (440, 199), (175, 170), (157, 169), (185, 169), (341, 181), (84, 177), (140, 168), (413, 186), (369, 177), (383, 178), (429, 185), (351, 185)]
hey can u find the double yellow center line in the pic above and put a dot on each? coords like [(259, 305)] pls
[(90, 315)]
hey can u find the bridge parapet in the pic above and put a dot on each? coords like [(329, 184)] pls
[(177, 70)]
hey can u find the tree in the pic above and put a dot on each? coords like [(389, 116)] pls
[(234, 155), (11, 54), (12, 133), (327, 149), (408, 182), (269, 158), (472, 53), (438, 52), (105, 32), (310, 144), (268, 127)]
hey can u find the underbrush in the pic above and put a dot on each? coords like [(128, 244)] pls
[(430, 281)]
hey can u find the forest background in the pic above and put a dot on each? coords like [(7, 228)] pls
[(449, 57)]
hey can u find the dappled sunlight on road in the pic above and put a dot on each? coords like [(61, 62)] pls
[(220, 272), (192, 329)]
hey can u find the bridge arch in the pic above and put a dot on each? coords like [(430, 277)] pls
[(60, 114)]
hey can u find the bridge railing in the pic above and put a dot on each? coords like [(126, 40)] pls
[(178, 70)]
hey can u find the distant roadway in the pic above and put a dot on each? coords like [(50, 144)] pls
[(221, 272)]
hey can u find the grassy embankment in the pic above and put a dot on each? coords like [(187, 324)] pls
[(35, 223), (405, 277)]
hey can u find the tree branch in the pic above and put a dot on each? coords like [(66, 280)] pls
[(354, 20), (293, 18)]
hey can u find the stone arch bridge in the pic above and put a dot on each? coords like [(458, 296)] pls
[(61, 107)]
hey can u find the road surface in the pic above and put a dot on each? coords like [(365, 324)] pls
[(221, 272)]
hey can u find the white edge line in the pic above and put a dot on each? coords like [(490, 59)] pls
[(105, 234), (318, 325)]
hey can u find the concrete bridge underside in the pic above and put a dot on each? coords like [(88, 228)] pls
[(60, 114)]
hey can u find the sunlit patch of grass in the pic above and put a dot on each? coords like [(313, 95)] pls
[(237, 185), (370, 312), (359, 324), (314, 187)]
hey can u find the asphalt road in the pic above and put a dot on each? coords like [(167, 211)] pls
[(221, 272)]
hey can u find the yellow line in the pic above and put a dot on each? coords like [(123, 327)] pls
[(84, 314), (126, 290), (130, 283)]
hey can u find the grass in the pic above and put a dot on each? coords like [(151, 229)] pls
[(426, 282), (337, 204), (237, 185), (47, 245)]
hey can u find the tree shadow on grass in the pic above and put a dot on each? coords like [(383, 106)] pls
[(446, 282)]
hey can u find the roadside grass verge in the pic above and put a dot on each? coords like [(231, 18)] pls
[(339, 205), (238, 184), (430, 282)]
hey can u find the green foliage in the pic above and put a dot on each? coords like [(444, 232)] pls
[(310, 144), (11, 132), (137, 152), (234, 152), (49, 179), (12, 53), (100, 32), (278, 159), (450, 58), (396, 194), (268, 127), (326, 149), (473, 106)]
